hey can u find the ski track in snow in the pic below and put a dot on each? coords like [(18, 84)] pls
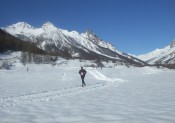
[(50, 95), (54, 94)]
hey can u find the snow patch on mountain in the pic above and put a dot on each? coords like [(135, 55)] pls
[(48, 27)]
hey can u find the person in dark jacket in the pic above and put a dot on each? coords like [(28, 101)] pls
[(82, 73)]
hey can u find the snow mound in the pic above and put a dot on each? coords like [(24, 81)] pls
[(99, 76)]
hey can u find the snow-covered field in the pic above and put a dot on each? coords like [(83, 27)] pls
[(53, 94)]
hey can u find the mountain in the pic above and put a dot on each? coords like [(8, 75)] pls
[(161, 56), (85, 45), (9, 42)]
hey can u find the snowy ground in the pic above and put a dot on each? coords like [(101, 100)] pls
[(53, 94)]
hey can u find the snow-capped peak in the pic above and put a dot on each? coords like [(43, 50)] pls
[(89, 32), (18, 28), (91, 36), (48, 26), (21, 25)]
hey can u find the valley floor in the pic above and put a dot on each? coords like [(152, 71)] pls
[(53, 94)]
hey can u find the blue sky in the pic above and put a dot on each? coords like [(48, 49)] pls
[(133, 26)]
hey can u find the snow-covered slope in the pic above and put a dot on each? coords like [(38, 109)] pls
[(85, 45), (162, 56)]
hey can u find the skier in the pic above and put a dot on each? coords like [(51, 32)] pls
[(82, 73)]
